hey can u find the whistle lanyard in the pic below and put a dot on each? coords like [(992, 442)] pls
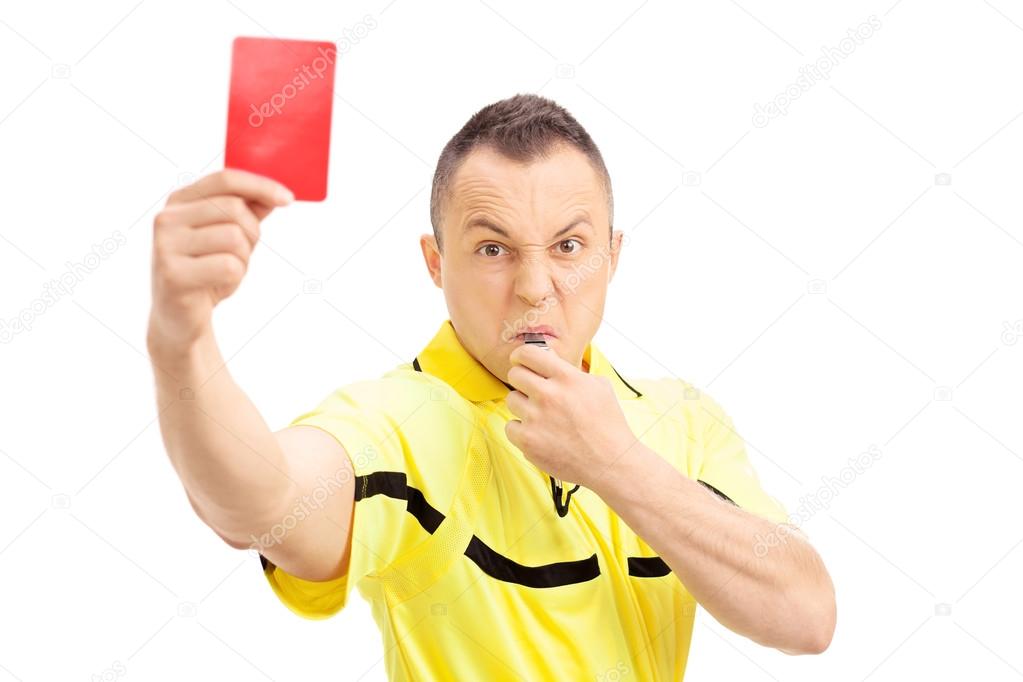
[(557, 488)]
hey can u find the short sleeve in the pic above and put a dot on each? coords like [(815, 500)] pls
[(402, 437), (725, 467)]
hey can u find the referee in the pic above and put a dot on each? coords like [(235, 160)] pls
[(510, 505)]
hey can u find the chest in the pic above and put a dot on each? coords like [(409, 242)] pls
[(517, 515)]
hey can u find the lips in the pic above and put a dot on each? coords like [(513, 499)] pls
[(543, 329)]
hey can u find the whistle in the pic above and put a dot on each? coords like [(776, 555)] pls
[(536, 340)]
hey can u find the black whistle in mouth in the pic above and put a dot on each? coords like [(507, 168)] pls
[(536, 340)]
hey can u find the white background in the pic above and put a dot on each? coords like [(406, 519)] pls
[(814, 275)]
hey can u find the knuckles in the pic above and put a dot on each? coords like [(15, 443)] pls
[(237, 241), (167, 272), (233, 268), (235, 205), (165, 218)]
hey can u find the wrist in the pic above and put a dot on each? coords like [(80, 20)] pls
[(619, 464), (172, 354)]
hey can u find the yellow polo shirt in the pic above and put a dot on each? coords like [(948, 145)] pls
[(470, 571)]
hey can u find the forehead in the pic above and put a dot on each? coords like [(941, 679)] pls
[(487, 179)]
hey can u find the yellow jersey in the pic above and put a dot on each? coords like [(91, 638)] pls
[(473, 570)]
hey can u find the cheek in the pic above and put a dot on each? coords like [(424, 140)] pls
[(587, 278), (474, 287), (584, 304)]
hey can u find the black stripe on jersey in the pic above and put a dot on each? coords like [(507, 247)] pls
[(648, 567), (395, 484), (717, 492), (548, 575)]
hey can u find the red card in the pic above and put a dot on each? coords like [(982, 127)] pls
[(278, 115)]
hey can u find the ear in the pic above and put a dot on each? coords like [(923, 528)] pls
[(616, 250), (432, 256)]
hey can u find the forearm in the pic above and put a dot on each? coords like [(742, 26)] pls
[(782, 599), (223, 451)]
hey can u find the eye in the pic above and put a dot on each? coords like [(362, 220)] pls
[(489, 249), (569, 241)]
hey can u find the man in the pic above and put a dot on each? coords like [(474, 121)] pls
[(510, 511)]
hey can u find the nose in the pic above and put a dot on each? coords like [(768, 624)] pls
[(534, 282)]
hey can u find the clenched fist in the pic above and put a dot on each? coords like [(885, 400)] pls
[(202, 240)]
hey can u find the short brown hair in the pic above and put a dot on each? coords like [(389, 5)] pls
[(523, 128)]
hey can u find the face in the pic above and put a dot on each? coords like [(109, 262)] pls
[(525, 246)]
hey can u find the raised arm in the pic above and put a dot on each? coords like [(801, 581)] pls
[(250, 485)]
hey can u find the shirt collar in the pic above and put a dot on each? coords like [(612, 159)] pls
[(447, 359)]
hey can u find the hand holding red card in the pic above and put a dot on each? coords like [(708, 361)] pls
[(278, 120)]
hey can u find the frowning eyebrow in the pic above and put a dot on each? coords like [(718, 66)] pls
[(486, 224)]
